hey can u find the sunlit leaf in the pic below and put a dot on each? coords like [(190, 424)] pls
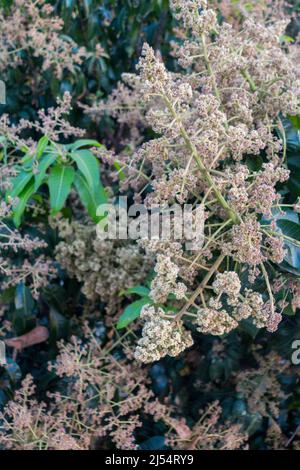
[(59, 182)]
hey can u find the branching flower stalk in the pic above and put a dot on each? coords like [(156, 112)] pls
[(203, 170), (202, 286), (213, 118)]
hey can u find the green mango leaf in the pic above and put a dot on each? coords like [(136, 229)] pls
[(294, 181), (23, 197), (54, 295), (59, 325), (287, 267), (142, 291), (121, 173), (216, 369), (252, 423), (88, 165), (13, 371), (23, 299), (69, 3), (254, 162), (293, 154), (247, 327), (19, 183), (59, 182), (132, 312), (28, 157), (295, 120), (292, 230), (154, 443), (43, 166), (289, 311), (287, 39), (40, 149), (84, 143), (42, 145), (89, 198), (24, 318), (289, 214), (7, 295)]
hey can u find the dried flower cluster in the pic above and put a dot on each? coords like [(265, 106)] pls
[(260, 10), (51, 123), (102, 399), (31, 27), (208, 434), (160, 337), (105, 267), (213, 119), (86, 411), (164, 282), (261, 387), (36, 269)]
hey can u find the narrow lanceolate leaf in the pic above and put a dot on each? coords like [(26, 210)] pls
[(121, 173), (90, 199), (291, 232), (295, 120), (59, 182), (23, 198), (292, 134), (140, 290), (19, 183), (24, 318), (24, 299), (43, 166), (85, 143), (42, 145), (88, 165), (132, 312), (59, 325)]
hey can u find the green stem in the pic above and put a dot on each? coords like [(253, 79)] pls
[(265, 274), (203, 170), (201, 287), (209, 67), (279, 234), (248, 79)]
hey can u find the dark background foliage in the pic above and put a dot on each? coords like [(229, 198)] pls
[(120, 26)]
